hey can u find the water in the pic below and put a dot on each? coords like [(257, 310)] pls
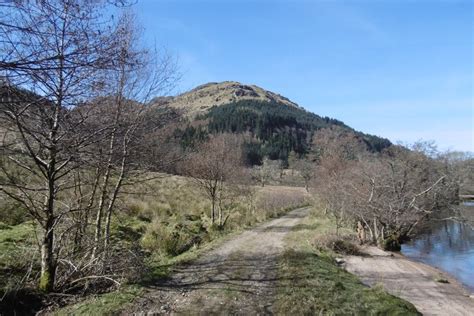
[(447, 245)]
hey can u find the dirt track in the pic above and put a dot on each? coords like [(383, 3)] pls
[(236, 278), (412, 281)]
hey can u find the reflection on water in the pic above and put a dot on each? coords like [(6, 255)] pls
[(448, 245)]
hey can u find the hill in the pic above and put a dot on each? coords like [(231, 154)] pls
[(202, 98), (273, 125)]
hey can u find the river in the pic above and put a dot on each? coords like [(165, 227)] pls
[(447, 245)]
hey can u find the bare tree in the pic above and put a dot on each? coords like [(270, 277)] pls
[(306, 171), (389, 194), (55, 49), (337, 151), (138, 74), (213, 168), (292, 159), (265, 172), (69, 124), (461, 166)]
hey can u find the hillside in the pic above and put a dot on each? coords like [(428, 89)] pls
[(274, 126), (202, 98)]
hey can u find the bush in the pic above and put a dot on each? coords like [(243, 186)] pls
[(345, 245), (392, 243), (173, 239)]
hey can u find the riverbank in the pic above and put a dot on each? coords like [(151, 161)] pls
[(446, 244), (432, 291)]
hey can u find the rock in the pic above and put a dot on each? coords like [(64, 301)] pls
[(340, 261)]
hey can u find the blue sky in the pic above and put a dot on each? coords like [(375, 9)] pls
[(399, 69)]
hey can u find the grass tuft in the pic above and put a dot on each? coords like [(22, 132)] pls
[(105, 304)]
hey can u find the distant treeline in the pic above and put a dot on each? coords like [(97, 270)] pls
[(275, 129)]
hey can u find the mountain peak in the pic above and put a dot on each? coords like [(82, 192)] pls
[(203, 97)]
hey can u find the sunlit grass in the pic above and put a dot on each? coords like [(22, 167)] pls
[(311, 283)]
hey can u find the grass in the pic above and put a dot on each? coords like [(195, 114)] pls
[(105, 304), (159, 267), (17, 253), (168, 220), (441, 280), (311, 283), (176, 202), (11, 237)]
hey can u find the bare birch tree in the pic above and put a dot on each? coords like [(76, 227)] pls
[(213, 168), (138, 74), (65, 65), (54, 49)]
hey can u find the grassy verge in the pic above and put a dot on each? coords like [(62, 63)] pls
[(159, 267), (158, 224), (106, 304), (160, 263), (311, 283)]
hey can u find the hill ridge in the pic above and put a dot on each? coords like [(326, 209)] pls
[(203, 97)]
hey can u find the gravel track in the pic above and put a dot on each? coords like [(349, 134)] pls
[(412, 281), (237, 278)]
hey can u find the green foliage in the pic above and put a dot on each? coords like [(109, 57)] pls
[(276, 129), (314, 285), (190, 136)]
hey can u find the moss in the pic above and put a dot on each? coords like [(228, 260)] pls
[(45, 283), (392, 243)]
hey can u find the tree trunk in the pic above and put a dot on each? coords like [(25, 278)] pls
[(376, 232), (48, 266), (98, 228), (213, 206), (220, 217), (110, 207)]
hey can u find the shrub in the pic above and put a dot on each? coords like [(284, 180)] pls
[(345, 245), (173, 239), (392, 243)]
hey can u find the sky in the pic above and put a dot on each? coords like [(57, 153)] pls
[(401, 69)]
